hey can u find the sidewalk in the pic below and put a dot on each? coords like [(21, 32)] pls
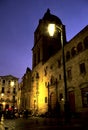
[(9, 124)]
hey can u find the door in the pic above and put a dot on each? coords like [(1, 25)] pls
[(72, 101), (53, 101)]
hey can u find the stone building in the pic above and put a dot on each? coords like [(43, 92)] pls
[(47, 83), (25, 91), (8, 92)]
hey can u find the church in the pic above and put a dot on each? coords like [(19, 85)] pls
[(50, 85)]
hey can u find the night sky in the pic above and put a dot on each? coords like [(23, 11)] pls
[(18, 21)]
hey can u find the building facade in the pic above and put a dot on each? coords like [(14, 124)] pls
[(8, 92), (24, 92), (47, 83)]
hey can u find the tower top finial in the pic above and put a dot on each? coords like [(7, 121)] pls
[(48, 11)]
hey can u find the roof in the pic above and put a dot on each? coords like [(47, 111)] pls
[(9, 76), (52, 18)]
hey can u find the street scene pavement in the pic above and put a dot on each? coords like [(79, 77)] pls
[(39, 123)]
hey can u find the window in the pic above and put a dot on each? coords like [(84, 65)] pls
[(3, 89), (3, 82), (61, 96), (67, 55), (69, 74), (45, 70), (85, 99), (14, 90), (52, 80), (46, 84), (13, 98), (32, 79), (59, 63), (59, 76), (84, 92), (8, 91), (73, 51), (82, 68), (86, 42), (45, 99), (51, 67), (79, 47), (9, 82)]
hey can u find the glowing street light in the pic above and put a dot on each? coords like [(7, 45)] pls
[(51, 29)]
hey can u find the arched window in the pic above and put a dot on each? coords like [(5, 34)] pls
[(73, 51), (52, 79), (67, 55), (79, 47), (86, 42)]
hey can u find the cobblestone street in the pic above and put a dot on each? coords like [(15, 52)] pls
[(38, 123)]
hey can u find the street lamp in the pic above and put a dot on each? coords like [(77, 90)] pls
[(51, 30)]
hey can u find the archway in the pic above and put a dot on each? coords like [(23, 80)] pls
[(53, 101)]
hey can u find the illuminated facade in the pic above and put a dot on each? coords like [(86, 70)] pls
[(8, 92), (47, 91)]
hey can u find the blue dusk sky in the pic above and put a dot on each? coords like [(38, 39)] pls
[(18, 21)]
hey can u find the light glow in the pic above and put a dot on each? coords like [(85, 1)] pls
[(51, 29), (2, 94), (12, 83)]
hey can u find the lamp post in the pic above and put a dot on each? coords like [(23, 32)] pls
[(51, 30)]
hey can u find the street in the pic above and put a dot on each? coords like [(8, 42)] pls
[(38, 123)]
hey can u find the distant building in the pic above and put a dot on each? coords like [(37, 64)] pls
[(25, 91), (8, 92)]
